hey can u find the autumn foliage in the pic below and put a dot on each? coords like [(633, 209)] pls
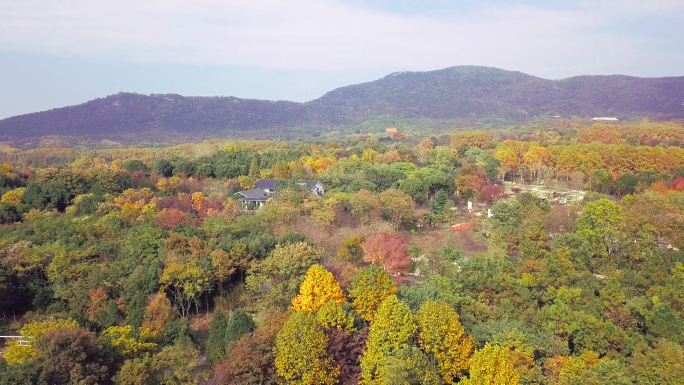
[(388, 251), (491, 365), (300, 352), (392, 329), (370, 287), (575, 278), (442, 335), (319, 287)]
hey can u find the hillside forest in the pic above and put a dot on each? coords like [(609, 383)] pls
[(431, 101), (131, 265)]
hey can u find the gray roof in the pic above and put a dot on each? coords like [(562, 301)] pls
[(254, 195), (312, 183), (266, 183), (271, 183)]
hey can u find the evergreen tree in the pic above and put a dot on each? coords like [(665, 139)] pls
[(239, 324), (216, 346)]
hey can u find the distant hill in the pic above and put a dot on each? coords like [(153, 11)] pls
[(461, 93)]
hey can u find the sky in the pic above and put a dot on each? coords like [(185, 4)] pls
[(60, 53)]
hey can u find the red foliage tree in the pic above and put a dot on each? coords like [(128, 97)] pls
[(678, 184), (137, 177), (490, 193), (213, 204), (190, 186), (251, 357), (173, 202), (170, 218), (388, 251), (346, 351)]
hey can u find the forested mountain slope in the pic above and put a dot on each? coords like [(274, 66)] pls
[(463, 93)]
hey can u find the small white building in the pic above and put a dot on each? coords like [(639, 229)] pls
[(605, 118)]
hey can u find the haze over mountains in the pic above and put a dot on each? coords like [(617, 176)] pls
[(465, 93)]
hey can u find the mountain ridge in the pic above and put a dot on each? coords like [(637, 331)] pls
[(470, 93)]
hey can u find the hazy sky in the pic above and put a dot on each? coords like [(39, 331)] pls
[(58, 53)]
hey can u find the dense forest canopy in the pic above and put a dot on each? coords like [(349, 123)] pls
[(141, 266)]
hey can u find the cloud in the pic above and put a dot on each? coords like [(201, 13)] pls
[(328, 35)]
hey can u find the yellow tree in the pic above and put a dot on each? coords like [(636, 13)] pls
[(185, 282), (536, 158), (508, 159), (492, 366), (198, 199), (370, 287), (471, 139), (13, 197), (369, 155), (332, 315), (442, 335), (300, 352), (128, 341), (568, 161), (591, 161), (318, 288), (391, 331), (18, 352)]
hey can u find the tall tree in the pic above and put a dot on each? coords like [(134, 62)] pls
[(370, 287), (391, 331), (388, 251), (491, 365), (442, 336), (300, 352), (601, 225), (318, 288)]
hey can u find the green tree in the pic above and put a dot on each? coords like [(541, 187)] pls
[(138, 371), (438, 204), (408, 366), (274, 281), (664, 364), (178, 363), (216, 344), (133, 165), (351, 249), (398, 207), (239, 324), (254, 167), (163, 167), (663, 321), (626, 183), (601, 224)]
